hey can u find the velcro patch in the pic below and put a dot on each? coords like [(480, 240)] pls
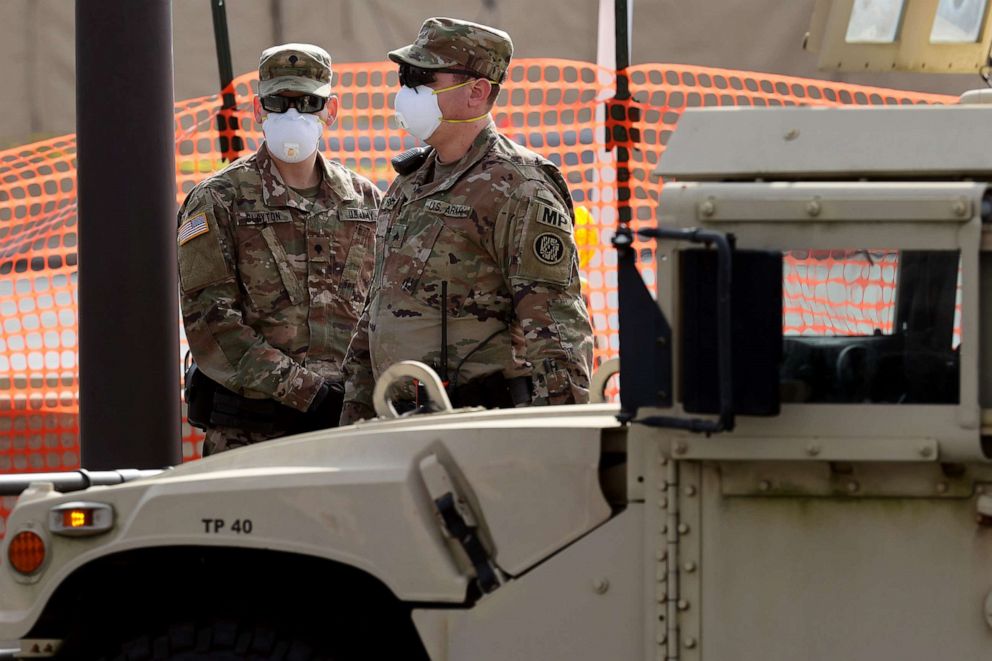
[(549, 248), (357, 214), (263, 217), (389, 203), (458, 211), (193, 228), (443, 208), (548, 215)]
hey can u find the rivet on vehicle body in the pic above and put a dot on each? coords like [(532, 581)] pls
[(707, 208), (852, 487), (813, 449), (960, 208), (601, 585), (680, 447), (813, 208), (683, 528), (764, 485), (980, 489), (690, 491), (926, 451), (690, 567), (690, 642), (791, 134), (942, 487), (663, 503), (683, 605)]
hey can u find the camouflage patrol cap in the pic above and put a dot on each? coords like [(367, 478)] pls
[(303, 68), (450, 43)]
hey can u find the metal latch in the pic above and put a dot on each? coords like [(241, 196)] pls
[(459, 523)]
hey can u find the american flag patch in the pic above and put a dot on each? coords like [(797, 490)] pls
[(193, 228)]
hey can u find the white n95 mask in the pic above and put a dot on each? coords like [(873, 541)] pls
[(417, 109), (290, 136)]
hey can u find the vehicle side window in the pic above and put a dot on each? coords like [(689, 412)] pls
[(871, 326)]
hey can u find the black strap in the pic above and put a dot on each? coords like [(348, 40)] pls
[(485, 575)]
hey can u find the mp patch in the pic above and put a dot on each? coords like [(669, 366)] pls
[(193, 228), (547, 215), (549, 248)]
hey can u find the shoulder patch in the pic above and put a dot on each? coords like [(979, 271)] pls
[(193, 228), (356, 214), (552, 217), (549, 248)]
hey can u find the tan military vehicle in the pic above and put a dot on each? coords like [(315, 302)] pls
[(757, 494)]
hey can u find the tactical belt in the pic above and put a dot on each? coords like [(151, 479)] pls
[(493, 391), (209, 405)]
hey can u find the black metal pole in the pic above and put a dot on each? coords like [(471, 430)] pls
[(126, 181), (231, 144), (621, 112)]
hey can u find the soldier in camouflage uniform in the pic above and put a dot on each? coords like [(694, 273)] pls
[(475, 241), (275, 261)]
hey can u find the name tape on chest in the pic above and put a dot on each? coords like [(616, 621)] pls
[(357, 214), (263, 217), (549, 248), (193, 228), (548, 215), (442, 208)]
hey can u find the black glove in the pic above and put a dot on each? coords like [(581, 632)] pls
[(324, 410)]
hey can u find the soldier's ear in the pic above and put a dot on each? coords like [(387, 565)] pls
[(256, 104), (480, 92), (331, 108)]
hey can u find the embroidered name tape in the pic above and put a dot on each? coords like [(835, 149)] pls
[(356, 213), (263, 217), (443, 208), (193, 228), (553, 218)]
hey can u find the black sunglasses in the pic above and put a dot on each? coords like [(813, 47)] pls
[(305, 103), (411, 76)]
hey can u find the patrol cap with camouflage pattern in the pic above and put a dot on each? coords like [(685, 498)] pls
[(450, 43), (303, 68)]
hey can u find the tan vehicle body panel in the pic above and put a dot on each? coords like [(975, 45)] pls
[(353, 496)]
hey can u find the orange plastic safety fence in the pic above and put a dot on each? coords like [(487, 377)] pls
[(555, 107)]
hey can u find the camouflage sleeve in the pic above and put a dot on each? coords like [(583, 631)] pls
[(535, 244), (224, 347), (359, 380)]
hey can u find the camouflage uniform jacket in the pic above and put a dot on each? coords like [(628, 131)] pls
[(499, 230), (272, 283)]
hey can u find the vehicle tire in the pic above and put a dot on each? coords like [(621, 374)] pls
[(219, 640)]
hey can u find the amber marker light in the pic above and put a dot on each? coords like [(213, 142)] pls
[(80, 519), (26, 552)]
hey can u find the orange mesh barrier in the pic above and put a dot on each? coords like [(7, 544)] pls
[(552, 106)]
